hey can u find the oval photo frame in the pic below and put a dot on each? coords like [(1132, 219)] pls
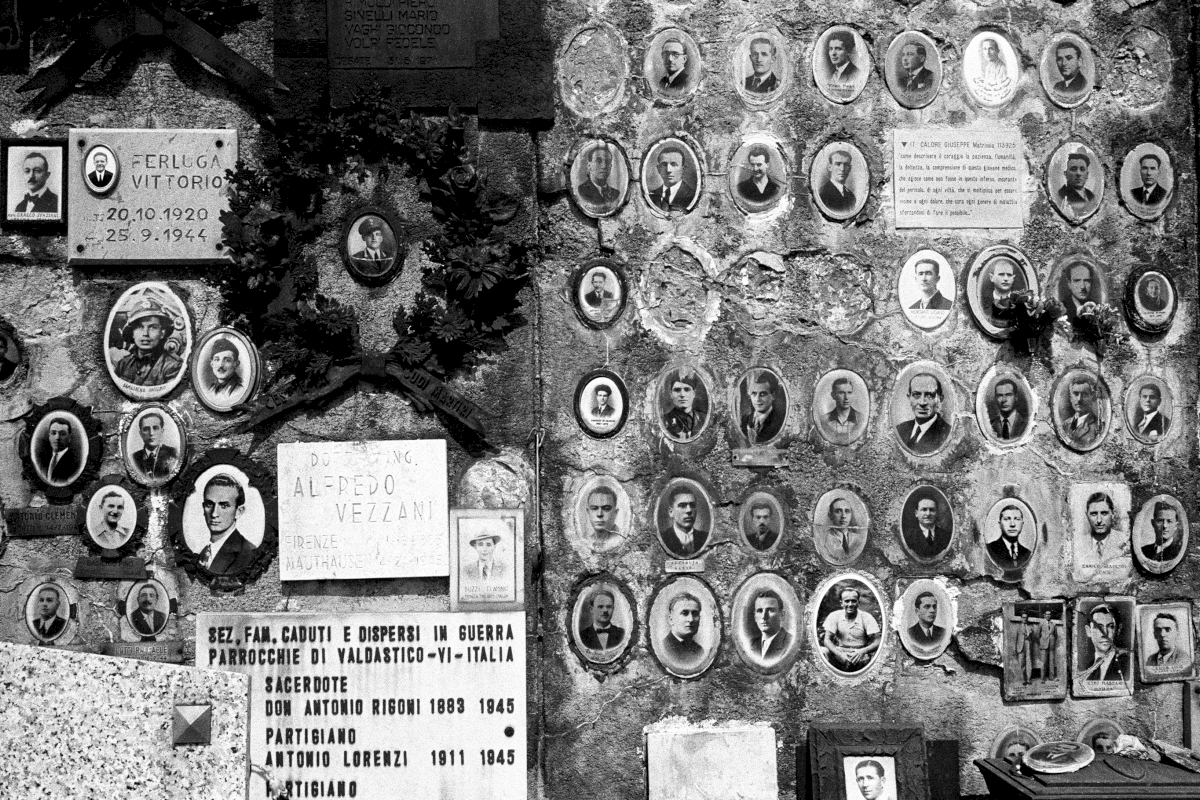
[(767, 642), (601, 403), (147, 341), (912, 75), (1082, 418), (673, 517), (1149, 408), (1147, 181), (1160, 539), (149, 622), (598, 177), (828, 624), (926, 628), (684, 622), (926, 289), (1075, 181), (1068, 69), (370, 245), (839, 178), (1151, 300), (599, 292), (841, 63), (996, 274), (154, 444), (1005, 406), (841, 525), (226, 370), (991, 69), (763, 521), (606, 645), (61, 447), (100, 182), (671, 159), (927, 523), (602, 514), (761, 68), (52, 611)]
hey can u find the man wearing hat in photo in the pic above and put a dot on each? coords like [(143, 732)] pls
[(372, 259), (148, 363), (486, 568)]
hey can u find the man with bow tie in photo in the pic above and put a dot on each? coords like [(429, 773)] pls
[(39, 198), (602, 634)]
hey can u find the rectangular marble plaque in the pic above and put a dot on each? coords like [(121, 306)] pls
[(29, 523), (718, 762), (409, 34), (159, 199), (421, 704), (958, 179), (363, 510)]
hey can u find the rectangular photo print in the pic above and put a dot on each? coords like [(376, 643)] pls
[(1035, 650), (487, 559), (1166, 645), (1102, 647), (35, 190)]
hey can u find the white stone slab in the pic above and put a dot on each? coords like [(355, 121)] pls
[(727, 762), (958, 179)]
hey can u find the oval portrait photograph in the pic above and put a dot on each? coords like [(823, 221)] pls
[(153, 445), (50, 612), (671, 177), (841, 406), (685, 626), (1080, 285), (1012, 743), (600, 178), (926, 289), (1009, 531), (991, 69), (1081, 408), (849, 624), (1147, 181), (370, 245), (840, 180), (1000, 277), (672, 66), (101, 169), (927, 617), (1160, 534), (1149, 407), (11, 356), (225, 369), (148, 341), (922, 408), (603, 516), (1150, 301), (927, 523), (111, 518), (224, 520), (758, 175), (913, 69), (841, 63), (683, 397), (1068, 69), (60, 448), (147, 609), (1100, 734), (762, 67), (601, 403), (683, 517), (1005, 406), (762, 521), (767, 622), (599, 291), (603, 620), (1075, 181), (762, 405), (841, 522)]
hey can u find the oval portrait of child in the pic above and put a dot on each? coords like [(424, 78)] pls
[(603, 621), (762, 68), (599, 177), (1149, 408), (153, 445), (225, 369), (767, 622), (841, 63), (601, 403), (991, 69), (926, 289), (840, 180), (685, 626), (1147, 181), (148, 341)]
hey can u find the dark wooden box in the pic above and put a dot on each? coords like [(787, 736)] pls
[(1106, 778)]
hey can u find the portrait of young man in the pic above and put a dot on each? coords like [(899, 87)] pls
[(925, 633), (600, 527), (872, 778), (928, 272), (682, 535), (762, 79), (1007, 407), (57, 454), (921, 523), (374, 257), (1082, 426), (1068, 60), (144, 335), (768, 640), (1072, 196), (688, 398), (762, 526), (914, 77), (675, 75), (1102, 648), (48, 622), (1153, 293), (1150, 192), (155, 459), (595, 190), (110, 532), (835, 192), (1167, 650), (1167, 543), (674, 172), (841, 417), (679, 646), (764, 414), (602, 633), (840, 71), (228, 551), (1150, 420), (840, 534), (759, 187), (1007, 550)]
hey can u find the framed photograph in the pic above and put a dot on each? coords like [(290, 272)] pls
[(101, 170), (115, 516), (1005, 406), (603, 515), (763, 521), (603, 624), (928, 617), (1149, 407), (223, 518), (761, 406), (1014, 742), (841, 523), (1166, 648), (146, 609), (1160, 534), (370, 245), (867, 762), (684, 517), (35, 192), (1100, 734), (685, 626), (148, 341), (1035, 652), (841, 63), (1102, 645), (991, 69), (601, 403), (599, 177), (1068, 69), (153, 444), (1009, 531), (758, 175), (767, 623), (849, 624), (683, 396), (913, 69), (1081, 408), (12, 358), (487, 559), (926, 289), (225, 369), (1080, 284), (671, 177), (61, 447), (1075, 181), (672, 66), (840, 180), (762, 68), (922, 408), (1147, 181), (599, 291), (841, 406), (995, 275), (927, 523), (52, 611), (1150, 301)]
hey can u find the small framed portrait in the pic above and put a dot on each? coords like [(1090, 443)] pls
[(61, 447), (672, 66), (841, 406), (601, 403), (998, 279), (599, 177), (1035, 652), (758, 175), (685, 626), (927, 523), (1075, 181), (1160, 534), (683, 398), (841, 63), (849, 624), (225, 369), (603, 623), (926, 289), (115, 516), (101, 169), (1147, 181), (1079, 284), (12, 358), (1068, 69), (851, 761), (1166, 649), (767, 623), (1102, 647), (487, 559), (370, 245), (1005, 406), (762, 68), (1150, 301), (1081, 407), (684, 517), (599, 290), (913, 69), (224, 519), (922, 409), (840, 180), (603, 518), (991, 69), (1014, 742), (762, 404), (153, 445), (52, 612), (35, 192), (148, 341), (763, 521), (1100, 734), (841, 523), (928, 617), (1009, 531), (1149, 407), (671, 177), (146, 609)]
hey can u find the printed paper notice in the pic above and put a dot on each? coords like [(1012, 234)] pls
[(958, 179)]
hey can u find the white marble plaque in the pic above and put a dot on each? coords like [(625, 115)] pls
[(714, 762), (363, 510), (378, 706), (958, 179), (148, 196)]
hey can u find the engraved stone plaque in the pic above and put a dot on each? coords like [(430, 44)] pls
[(958, 179), (409, 34)]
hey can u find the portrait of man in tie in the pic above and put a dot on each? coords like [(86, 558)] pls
[(672, 66), (841, 64), (1149, 406), (371, 245), (1160, 534), (840, 180), (767, 620), (762, 402), (59, 448), (923, 406), (841, 523), (147, 609), (34, 181), (671, 177), (761, 67), (1067, 69), (48, 612), (913, 69), (603, 621), (1082, 409), (1010, 531), (1003, 406), (1147, 181), (599, 177), (224, 521), (684, 516), (927, 523), (929, 619), (926, 289), (101, 169)]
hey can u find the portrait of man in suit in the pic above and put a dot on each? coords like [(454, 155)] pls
[(842, 421), (687, 414), (759, 187), (839, 534), (1006, 550), (835, 193), (682, 537), (769, 641), (227, 552), (602, 634), (1150, 422), (601, 407), (839, 59), (873, 780), (763, 419), (762, 526), (1168, 656), (680, 645), (924, 534), (928, 272), (675, 76), (1001, 277), (927, 431), (915, 77), (155, 459), (146, 619), (1068, 58), (676, 193), (109, 533), (100, 176), (1074, 199), (762, 79), (60, 462), (1109, 661), (600, 294), (1151, 192), (39, 198), (601, 508), (1008, 411), (595, 190), (225, 385), (1081, 425), (1077, 288), (47, 624), (925, 633), (1168, 540), (374, 257)]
